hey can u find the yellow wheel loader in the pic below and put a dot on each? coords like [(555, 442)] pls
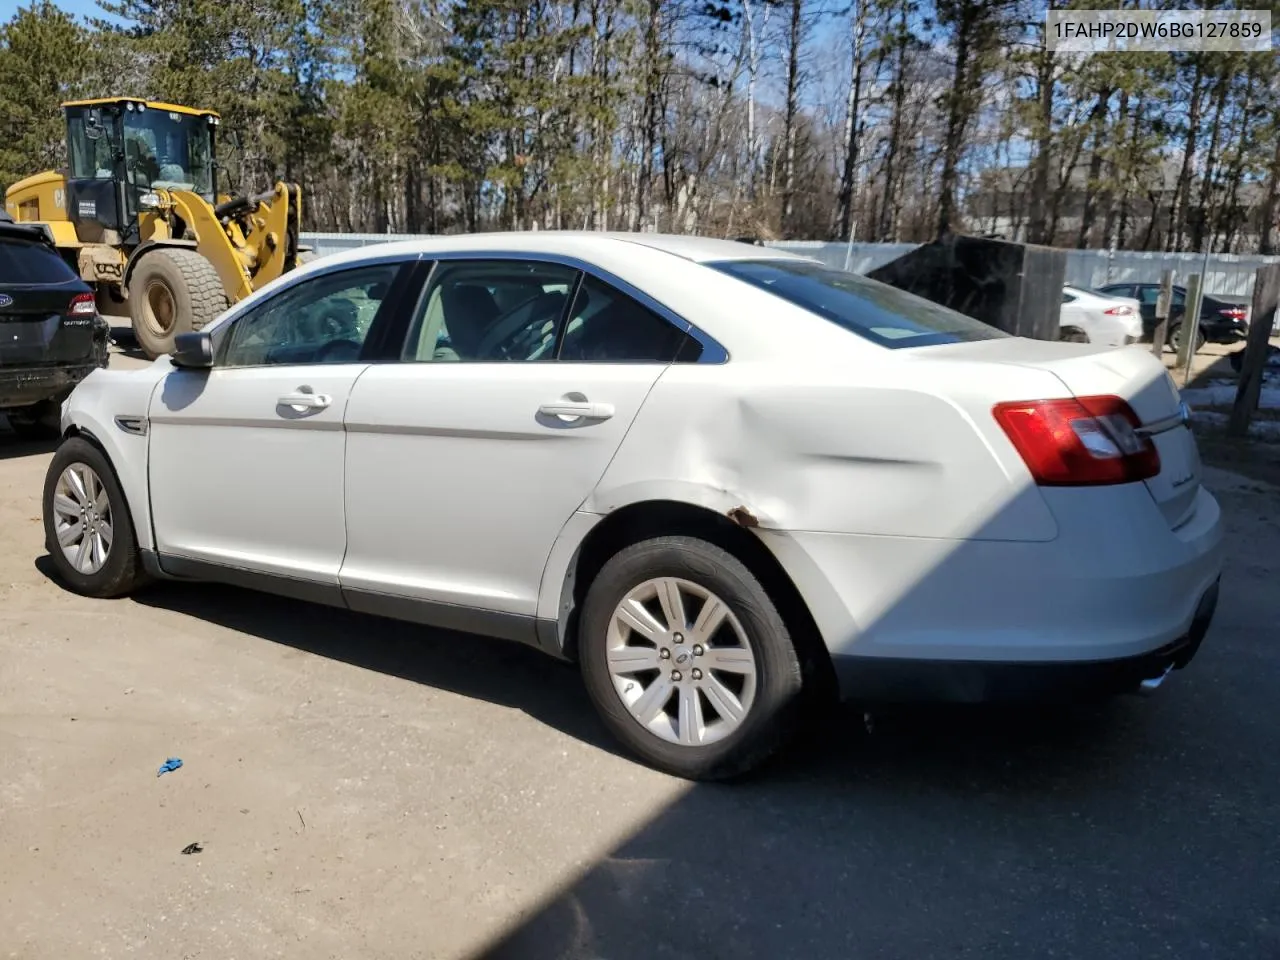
[(138, 214)]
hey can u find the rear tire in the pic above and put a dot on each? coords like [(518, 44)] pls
[(1072, 335), (734, 690), (81, 485), (172, 290), (40, 421)]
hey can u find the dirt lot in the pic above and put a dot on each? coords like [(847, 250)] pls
[(365, 789)]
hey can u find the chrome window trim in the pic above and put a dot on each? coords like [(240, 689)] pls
[(233, 316), (712, 350)]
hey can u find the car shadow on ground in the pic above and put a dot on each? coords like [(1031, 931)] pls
[(496, 671), (13, 447), (1118, 829), (126, 344), (1107, 832)]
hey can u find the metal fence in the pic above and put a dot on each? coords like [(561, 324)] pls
[(1227, 274)]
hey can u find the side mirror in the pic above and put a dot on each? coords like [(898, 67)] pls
[(193, 350)]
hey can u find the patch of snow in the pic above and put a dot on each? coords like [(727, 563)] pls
[(1227, 481), (1222, 393), (1268, 430)]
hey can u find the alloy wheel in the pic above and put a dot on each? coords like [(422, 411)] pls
[(82, 518), (681, 662)]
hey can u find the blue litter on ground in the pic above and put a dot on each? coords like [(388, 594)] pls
[(173, 763)]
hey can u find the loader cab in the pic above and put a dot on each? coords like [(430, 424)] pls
[(122, 150)]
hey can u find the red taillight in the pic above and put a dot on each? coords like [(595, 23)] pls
[(83, 305), (1232, 313), (1079, 442), (1118, 311)]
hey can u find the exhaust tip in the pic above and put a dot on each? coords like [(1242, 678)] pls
[(1150, 685)]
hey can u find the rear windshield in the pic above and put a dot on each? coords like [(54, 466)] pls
[(23, 262), (871, 309)]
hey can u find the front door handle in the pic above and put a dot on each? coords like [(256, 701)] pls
[(305, 400), (571, 410)]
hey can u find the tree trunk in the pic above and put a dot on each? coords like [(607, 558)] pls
[(1267, 215), (792, 111), (650, 120), (1037, 218), (1182, 193), (1114, 188), (888, 227), (1198, 219), (1096, 118), (852, 129), (957, 120)]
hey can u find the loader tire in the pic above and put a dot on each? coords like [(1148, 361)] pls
[(172, 291)]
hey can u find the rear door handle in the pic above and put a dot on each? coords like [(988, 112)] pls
[(305, 401), (571, 410)]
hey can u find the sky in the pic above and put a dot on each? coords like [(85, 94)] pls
[(81, 8)]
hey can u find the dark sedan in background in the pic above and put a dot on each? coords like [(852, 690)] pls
[(1222, 319), (51, 335)]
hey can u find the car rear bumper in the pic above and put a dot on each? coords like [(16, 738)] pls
[(1115, 588), (890, 680), (24, 386)]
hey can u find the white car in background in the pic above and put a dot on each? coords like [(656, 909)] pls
[(1091, 317), (723, 479)]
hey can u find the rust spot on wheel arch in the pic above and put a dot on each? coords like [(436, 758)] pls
[(743, 517)]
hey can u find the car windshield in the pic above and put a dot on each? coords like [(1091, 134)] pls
[(32, 263), (169, 149), (875, 311)]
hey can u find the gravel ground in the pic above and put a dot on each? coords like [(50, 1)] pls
[(366, 789)]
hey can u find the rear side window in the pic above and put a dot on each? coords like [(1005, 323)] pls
[(873, 310), (23, 262), (607, 326)]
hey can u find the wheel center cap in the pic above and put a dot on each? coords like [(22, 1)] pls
[(682, 655)]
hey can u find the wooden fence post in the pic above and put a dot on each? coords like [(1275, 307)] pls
[(1189, 327), (1266, 298), (1163, 302)]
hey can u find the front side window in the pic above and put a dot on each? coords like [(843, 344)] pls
[(488, 311), (874, 311), (168, 149), (92, 146), (322, 320)]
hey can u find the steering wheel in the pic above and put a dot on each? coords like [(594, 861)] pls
[(516, 342), (325, 353)]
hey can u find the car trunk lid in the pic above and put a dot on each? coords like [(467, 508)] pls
[(37, 326), (1130, 373)]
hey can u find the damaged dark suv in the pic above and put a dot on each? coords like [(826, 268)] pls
[(51, 335)]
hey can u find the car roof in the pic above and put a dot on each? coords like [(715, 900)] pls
[(574, 243), (34, 233)]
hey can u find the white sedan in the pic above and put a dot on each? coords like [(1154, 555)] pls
[(721, 478), (1091, 317)]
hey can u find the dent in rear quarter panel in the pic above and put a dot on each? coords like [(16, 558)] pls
[(814, 449), (93, 407), (889, 453)]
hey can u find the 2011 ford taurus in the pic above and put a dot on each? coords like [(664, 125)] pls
[(721, 478)]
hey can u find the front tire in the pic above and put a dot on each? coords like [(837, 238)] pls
[(172, 290), (688, 660), (87, 525)]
